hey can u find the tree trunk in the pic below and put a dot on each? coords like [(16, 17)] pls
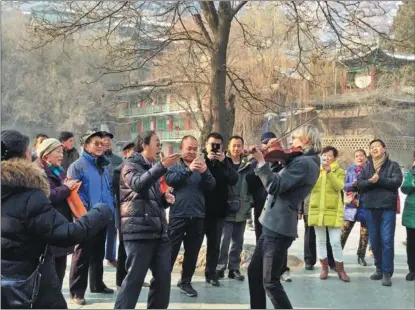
[(223, 118)]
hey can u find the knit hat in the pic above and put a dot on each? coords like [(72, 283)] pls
[(47, 146), (267, 136)]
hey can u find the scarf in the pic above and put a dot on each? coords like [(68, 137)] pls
[(378, 163), (358, 169), (58, 171)]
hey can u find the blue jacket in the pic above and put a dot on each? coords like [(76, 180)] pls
[(189, 190), (351, 213), (96, 183)]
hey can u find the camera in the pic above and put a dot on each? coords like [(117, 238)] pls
[(215, 147)]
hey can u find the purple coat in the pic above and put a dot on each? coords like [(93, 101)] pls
[(351, 213), (58, 195)]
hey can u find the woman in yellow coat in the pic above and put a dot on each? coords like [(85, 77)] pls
[(326, 211)]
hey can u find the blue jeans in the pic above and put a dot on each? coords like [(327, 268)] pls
[(381, 225)]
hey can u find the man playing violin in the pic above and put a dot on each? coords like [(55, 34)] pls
[(286, 190)]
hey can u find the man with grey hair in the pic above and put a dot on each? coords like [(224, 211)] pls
[(286, 190)]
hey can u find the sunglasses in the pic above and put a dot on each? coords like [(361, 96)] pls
[(99, 143)]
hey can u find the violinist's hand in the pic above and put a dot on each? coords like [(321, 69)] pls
[(257, 154), (272, 141)]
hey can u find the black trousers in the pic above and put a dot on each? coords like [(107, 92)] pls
[(121, 258), (141, 256), (88, 257), (213, 231), (60, 267), (410, 248), (258, 226), (310, 252), (190, 231), (264, 272)]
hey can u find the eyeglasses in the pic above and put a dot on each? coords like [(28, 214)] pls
[(98, 143)]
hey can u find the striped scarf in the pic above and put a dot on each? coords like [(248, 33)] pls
[(378, 163)]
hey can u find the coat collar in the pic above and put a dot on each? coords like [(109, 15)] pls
[(18, 175)]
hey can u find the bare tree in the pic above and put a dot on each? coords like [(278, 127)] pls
[(48, 86), (313, 30)]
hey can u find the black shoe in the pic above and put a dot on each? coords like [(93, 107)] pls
[(105, 290), (376, 276), (386, 279), (187, 288), (410, 276), (78, 300), (333, 268), (361, 261), (220, 274), (235, 274), (309, 267), (213, 282)]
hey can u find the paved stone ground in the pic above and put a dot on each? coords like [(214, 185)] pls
[(306, 291)]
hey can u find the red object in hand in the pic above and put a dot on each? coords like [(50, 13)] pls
[(275, 152), (75, 203), (163, 185)]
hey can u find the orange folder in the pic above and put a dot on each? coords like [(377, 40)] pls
[(75, 203), (163, 185)]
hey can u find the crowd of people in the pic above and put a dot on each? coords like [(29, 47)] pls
[(211, 192)]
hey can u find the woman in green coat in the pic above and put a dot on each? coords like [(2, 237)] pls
[(326, 211), (408, 219)]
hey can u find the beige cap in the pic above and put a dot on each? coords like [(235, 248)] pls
[(47, 146)]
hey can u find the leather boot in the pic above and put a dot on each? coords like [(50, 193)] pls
[(324, 269), (340, 271)]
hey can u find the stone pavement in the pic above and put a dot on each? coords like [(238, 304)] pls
[(305, 291)]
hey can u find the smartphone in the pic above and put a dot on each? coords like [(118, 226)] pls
[(323, 160), (215, 147), (201, 156)]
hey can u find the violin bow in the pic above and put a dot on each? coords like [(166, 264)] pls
[(267, 125)]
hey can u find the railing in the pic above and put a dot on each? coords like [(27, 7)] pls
[(159, 108)]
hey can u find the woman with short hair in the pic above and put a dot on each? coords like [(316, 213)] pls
[(30, 223)]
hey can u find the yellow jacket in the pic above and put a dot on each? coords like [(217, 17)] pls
[(326, 205)]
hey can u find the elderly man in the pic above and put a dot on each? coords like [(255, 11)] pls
[(286, 190)]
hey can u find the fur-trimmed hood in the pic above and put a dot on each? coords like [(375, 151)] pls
[(19, 175)]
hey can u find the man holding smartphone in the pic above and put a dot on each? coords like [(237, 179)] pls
[(225, 175), (190, 180)]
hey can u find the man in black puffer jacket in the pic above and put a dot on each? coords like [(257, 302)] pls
[(144, 224), (379, 182)]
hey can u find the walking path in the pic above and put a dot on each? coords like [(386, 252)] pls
[(306, 290)]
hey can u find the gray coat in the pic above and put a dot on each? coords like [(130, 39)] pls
[(286, 190)]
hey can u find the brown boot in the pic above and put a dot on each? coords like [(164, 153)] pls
[(340, 271), (324, 269)]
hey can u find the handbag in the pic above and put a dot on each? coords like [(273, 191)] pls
[(22, 293), (351, 198), (234, 205)]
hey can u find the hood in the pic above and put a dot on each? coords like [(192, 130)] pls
[(19, 175)]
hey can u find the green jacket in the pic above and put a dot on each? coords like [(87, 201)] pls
[(240, 190), (408, 188)]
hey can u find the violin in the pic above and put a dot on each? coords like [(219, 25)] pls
[(274, 151)]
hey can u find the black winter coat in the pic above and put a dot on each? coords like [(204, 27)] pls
[(69, 157), (29, 222), (58, 194), (116, 190), (143, 214), (384, 193), (217, 199)]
